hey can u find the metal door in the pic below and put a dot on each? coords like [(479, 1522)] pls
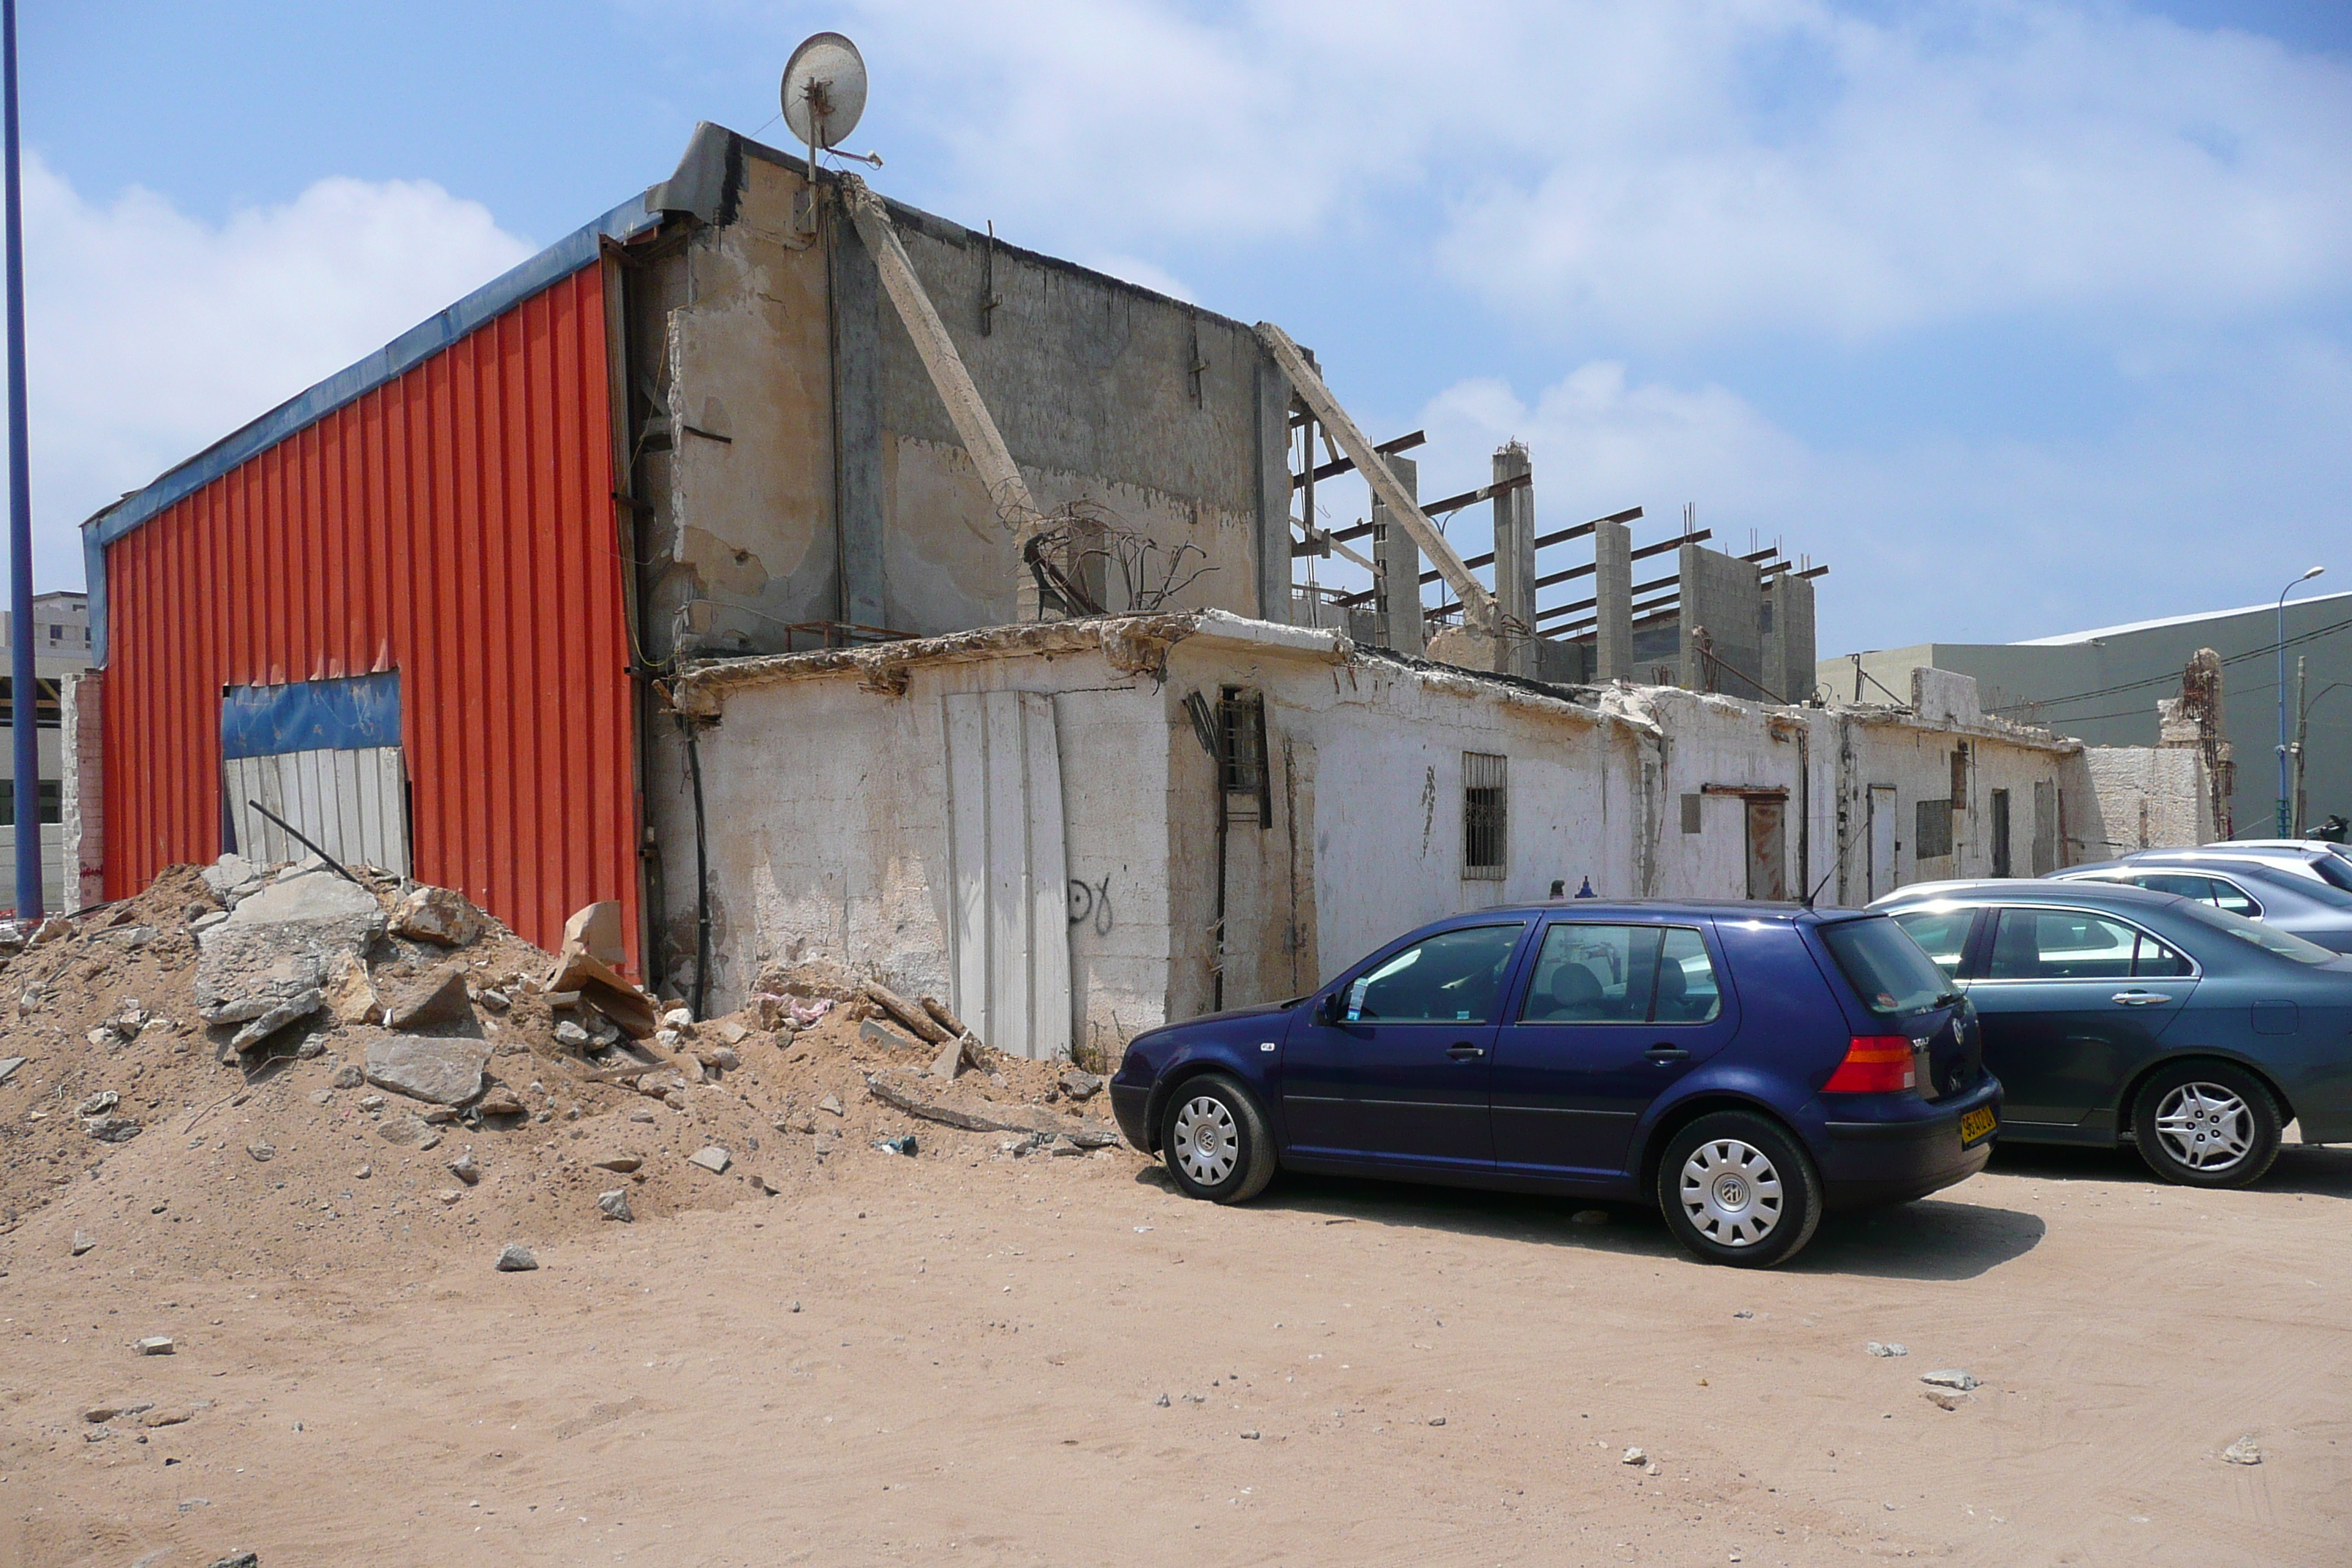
[(1006, 869), (1882, 843), (1767, 848)]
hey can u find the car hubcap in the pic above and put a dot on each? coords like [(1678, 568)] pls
[(2205, 1127), (1730, 1193), (1207, 1143)]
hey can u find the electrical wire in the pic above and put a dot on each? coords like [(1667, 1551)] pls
[(2268, 649)]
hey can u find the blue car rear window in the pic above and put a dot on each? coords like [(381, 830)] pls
[(1886, 966)]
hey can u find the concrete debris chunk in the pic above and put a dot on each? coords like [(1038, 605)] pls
[(278, 945), (437, 915), (465, 1169), (292, 1010), (733, 1033), (570, 1036), (435, 1071), (231, 871), (589, 963), (615, 1204), (239, 1560), (408, 1129), (112, 1129), (949, 1061), (830, 1106), (82, 1242), (1081, 1086), (57, 928), (994, 1118), (2245, 1451), (350, 994), (514, 1258), (1634, 1457), (156, 1344), (262, 1149), (98, 1414), (499, 1101), (348, 1076), (99, 1104), (439, 997), (714, 1159), (907, 1015), (497, 1001), (1875, 1348), (173, 1416), (8, 1066), (1949, 1377)]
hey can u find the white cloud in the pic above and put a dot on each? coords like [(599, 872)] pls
[(1668, 168), (151, 334), (1957, 540)]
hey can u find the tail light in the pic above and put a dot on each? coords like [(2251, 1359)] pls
[(1875, 1064)]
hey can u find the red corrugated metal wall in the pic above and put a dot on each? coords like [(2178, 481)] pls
[(456, 524)]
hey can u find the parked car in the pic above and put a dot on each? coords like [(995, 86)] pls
[(2317, 858), (1744, 1067), (2115, 1013), (2292, 900)]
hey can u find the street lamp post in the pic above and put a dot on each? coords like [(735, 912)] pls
[(2285, 823)]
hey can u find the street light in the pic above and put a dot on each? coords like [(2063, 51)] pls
[(2285, 825)]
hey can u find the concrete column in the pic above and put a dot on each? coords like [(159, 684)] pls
[(1515, 564), (1273, 392), (1613, 591), (858, 477), (1399, 589), (84, 790), (1788, 645)]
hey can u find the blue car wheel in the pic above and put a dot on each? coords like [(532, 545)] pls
[(1736, 1189), (1215, 1139)]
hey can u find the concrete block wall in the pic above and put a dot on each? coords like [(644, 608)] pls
[(81, 751), (1723, 595), (2147, 797)]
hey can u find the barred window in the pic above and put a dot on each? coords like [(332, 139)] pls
[(1485, 816), (1934, 837)]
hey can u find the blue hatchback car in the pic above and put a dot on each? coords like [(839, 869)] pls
[(1744, 1065)]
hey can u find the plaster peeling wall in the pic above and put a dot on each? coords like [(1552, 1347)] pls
[(827, 803), (1914, 756), (2149, 797), (950, 564), (763, 515)]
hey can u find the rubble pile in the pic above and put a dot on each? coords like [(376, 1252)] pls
[(266, 1065)]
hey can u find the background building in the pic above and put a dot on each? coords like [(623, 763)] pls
[(2102, 686), (60, 650)]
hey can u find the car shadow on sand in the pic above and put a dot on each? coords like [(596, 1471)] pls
[(2305, 1169), (1930, 1239)]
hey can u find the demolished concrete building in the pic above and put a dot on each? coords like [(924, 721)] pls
[(819, 579)]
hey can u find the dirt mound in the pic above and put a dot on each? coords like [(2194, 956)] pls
[(495, 1112)]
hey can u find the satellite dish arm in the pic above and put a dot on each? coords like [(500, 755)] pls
[(973, 424), (1477, 605)]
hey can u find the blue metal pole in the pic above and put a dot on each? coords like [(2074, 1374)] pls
[(24, 690), (2286, 828)]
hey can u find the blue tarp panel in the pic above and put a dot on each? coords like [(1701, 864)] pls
[(312, 716)]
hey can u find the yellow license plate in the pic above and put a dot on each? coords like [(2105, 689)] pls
[(1977, 1126)]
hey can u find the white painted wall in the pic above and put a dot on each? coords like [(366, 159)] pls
[(827, 803)]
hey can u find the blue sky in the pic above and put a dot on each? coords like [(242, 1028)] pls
[(2024, 316)]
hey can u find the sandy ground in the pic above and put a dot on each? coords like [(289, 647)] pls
[(959, 1357)]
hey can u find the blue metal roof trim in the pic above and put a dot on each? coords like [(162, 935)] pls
[(403, 353)]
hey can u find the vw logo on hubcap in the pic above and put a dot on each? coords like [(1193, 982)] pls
[(1731, 1192)]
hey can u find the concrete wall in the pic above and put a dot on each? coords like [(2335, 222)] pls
[(2149, 797), (81, 838), (800, 465), (825, 798)]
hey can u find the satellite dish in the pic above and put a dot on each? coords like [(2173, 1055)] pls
[(823, 90)]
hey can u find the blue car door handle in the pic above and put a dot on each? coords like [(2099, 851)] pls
[(2140, 998), (1663, 1053), (1465, 1051)]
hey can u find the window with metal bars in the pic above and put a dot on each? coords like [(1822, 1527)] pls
[(1485, 816)]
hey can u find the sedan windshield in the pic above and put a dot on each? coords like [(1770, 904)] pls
[(1886, 966), (2269, 938)]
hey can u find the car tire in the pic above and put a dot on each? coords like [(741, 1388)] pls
[(1215, 1139), (1736, 1188), (2206, 1124)]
